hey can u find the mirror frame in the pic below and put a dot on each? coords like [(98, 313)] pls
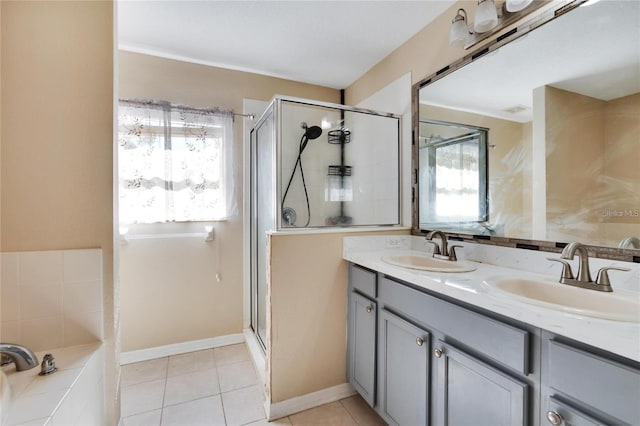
[(529, 23)]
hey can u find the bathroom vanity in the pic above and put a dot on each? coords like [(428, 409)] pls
[(436, 348)]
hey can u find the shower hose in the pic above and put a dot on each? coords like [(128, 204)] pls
[(301, 148)]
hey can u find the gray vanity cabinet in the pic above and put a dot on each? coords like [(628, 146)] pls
[(362, 332), (403, 371), (471, 392), (362, 359), (584, 386)]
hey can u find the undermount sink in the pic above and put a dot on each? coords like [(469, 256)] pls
[(425, 262), (578, 301)]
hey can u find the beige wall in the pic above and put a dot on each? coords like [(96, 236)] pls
[(621, 168), (597, 142), (308, 316), (574, 141), (423, 54), (179, 295), (57, 97)]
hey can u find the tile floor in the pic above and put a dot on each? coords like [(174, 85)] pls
[(217, 387)]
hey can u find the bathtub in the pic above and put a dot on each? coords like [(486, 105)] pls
[(74, 395)]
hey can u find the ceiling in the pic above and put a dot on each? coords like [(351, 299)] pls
[(329, 43), (593, 50)]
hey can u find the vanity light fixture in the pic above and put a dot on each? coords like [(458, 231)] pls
[(486, 16), (487, 20), (459, 31)]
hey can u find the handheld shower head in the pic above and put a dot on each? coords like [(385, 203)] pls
[(310, 133), (313, 132)]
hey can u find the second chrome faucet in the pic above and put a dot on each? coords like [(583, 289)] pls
[(602, 282)]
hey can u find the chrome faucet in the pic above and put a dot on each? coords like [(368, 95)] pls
[(630, 243), (584, 275), (22, 356), (602, 282), (446, 253)]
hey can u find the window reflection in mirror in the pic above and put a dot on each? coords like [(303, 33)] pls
[(455, 176)]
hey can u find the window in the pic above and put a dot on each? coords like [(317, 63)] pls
[(455, 173), (174, 163)]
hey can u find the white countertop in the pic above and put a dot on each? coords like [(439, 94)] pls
[(622, 338)]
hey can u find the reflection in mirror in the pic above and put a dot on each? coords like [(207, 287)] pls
[(454, 176), (561, 105)]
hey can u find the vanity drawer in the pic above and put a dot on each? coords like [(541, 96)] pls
[(594, 380), (363, 280), (502, 342)]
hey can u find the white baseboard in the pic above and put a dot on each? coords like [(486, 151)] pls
[(180, 348), (305, 402)]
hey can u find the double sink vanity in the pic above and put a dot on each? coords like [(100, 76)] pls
[(490, 339)]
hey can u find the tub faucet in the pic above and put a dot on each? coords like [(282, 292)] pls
[(22, 356), (446, 253)]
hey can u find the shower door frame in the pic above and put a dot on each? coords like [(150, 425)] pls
[(270, 111)]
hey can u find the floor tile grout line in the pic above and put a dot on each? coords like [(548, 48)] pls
[(142, 412), (224, 414), (193, 399), (164, 392), (347, 410)]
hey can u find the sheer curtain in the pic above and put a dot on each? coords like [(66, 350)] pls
[(175, 163)]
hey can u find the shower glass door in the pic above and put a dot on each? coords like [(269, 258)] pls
[(262, 218)]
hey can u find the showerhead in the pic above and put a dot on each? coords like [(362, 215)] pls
[(310, 133), (313, 132)]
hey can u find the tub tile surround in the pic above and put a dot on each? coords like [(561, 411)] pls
[(492, 261), (52, 298), (74, 395)]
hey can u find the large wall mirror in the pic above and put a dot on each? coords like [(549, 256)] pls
[(554, 116)]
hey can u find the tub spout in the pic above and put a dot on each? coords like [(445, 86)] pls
[(22, 356)]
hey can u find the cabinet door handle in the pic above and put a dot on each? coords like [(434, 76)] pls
[(437, 352), (554, 418), (369, 309), (419, 341)]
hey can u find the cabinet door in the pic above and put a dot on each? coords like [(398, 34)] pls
[(403, 371), (470, 392), (362, 346)]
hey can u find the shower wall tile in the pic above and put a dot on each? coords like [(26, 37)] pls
[(40, 302), (9, 302), (40, 268), (9, 265), (42, 333), (51, 298), (82, 265), (10, 331)]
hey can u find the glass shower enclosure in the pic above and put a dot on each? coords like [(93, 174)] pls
[(317, 165)]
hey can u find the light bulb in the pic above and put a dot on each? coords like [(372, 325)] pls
[(458, 33), (486, 16), (517, 5)]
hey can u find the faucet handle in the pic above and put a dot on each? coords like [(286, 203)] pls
[(452, 252), (48, 365), (603, 276), (567, 273)]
